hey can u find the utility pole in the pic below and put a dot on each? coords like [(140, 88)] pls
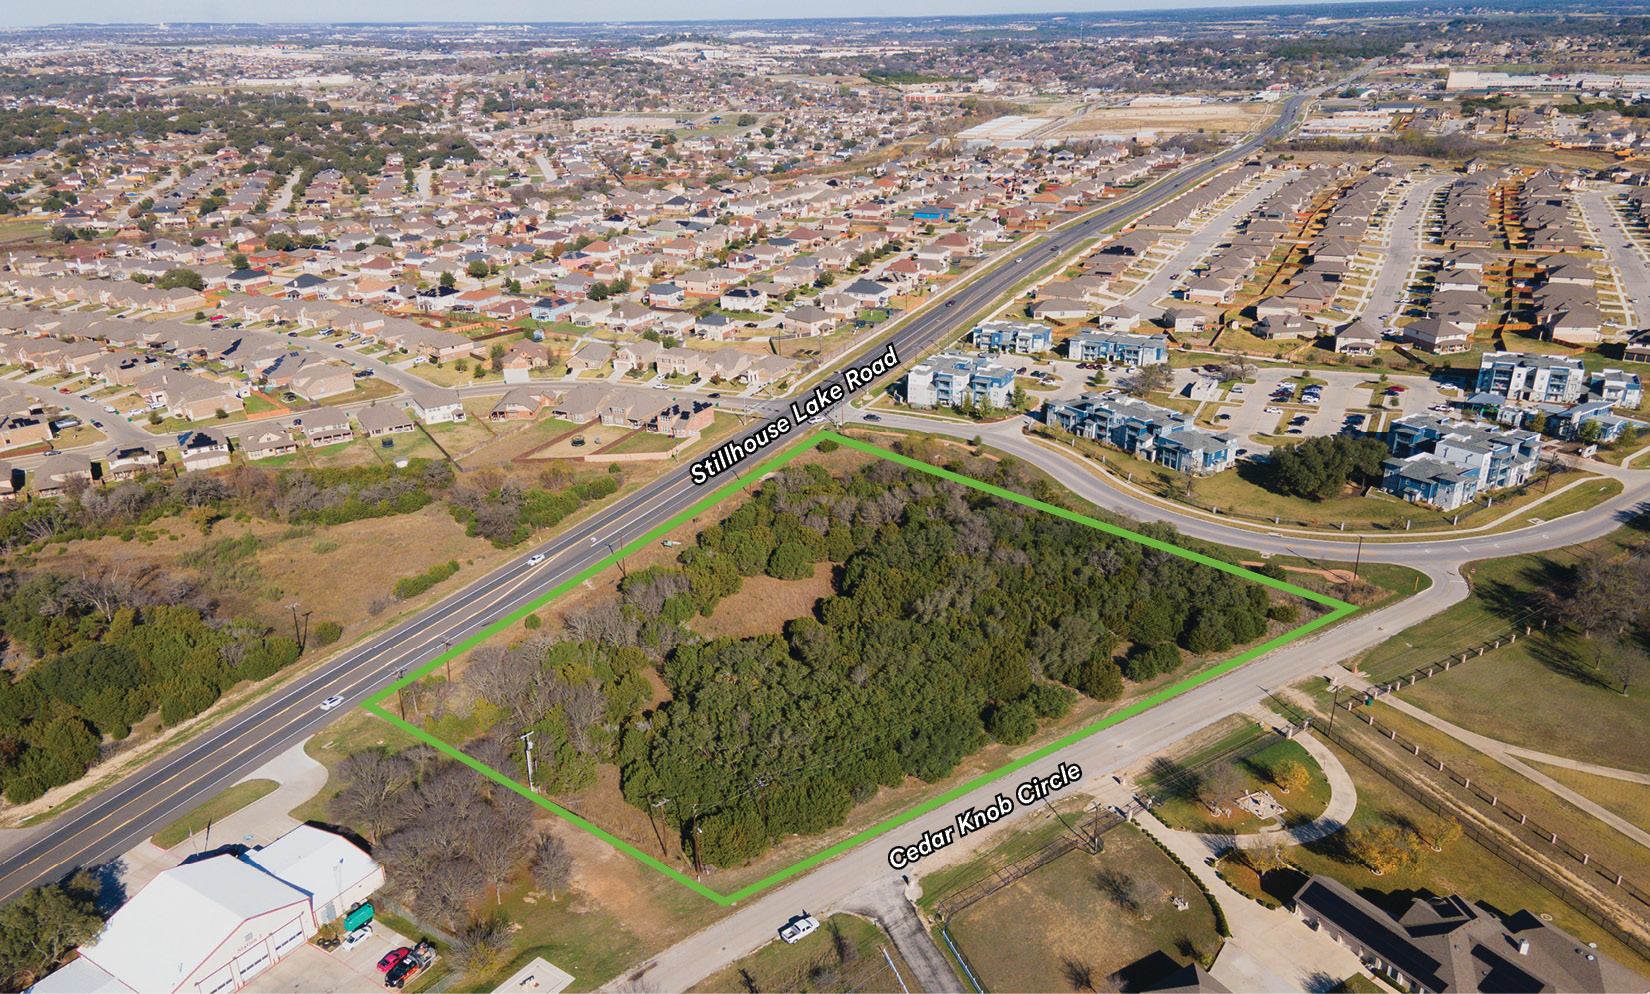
[(693, 833), (297, 635), (659, 806), (528, 738), (1359, 561)]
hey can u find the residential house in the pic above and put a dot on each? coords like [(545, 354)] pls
[(1446, 944), (385, 419), (203, 448), (130, 460), (267, 442), (437, 405), (325, 426)]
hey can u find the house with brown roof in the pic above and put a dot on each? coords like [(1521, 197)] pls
[(591, 356), (266, 443), (385, 419)]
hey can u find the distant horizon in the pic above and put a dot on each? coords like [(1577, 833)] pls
[(318, 13)]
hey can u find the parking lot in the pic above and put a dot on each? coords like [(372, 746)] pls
[(312, 968)]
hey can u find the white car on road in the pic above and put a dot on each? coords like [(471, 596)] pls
[(332, 702), (535, 559)]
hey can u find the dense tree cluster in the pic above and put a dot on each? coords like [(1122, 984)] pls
[(1320, 467), (442, 830), (958, 617), (39, 927), (109, 654)]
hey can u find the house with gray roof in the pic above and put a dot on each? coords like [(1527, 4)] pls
[(1447, 944)]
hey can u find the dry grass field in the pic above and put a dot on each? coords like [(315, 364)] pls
[(1204, 117)]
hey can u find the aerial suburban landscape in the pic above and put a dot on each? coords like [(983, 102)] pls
[(825, 500)]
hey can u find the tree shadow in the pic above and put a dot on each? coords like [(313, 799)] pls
[(111, 889), (1080, 976), (1319, 982), (749, 982), (1570, 660), (1170, 779)]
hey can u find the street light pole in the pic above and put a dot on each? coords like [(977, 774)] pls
[(528, 738)]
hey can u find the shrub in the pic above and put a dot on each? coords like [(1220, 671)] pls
[(532, 622), (1013, 723), (1286, 613), (328, 632), (1050, 700), (411, 586)]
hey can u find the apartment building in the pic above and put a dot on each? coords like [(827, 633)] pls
[(1146, 431), (954, 378)]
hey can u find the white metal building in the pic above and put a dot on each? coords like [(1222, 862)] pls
[(212, 925)]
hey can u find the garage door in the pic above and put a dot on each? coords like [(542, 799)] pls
[(253, 962), (287, 937), (223, 980)]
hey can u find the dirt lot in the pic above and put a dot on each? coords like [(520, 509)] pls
[(1065, 927), (1207, 117)]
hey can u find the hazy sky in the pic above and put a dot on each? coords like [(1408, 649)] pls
[(19, 12)]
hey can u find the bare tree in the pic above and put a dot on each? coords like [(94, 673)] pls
[(1220, 785), (501, 844), (582, 707), (1627, 663), (482, 946), (552, 865)]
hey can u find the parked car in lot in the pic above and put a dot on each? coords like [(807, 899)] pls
[(393, 957), (356, 937), (1274, 410)]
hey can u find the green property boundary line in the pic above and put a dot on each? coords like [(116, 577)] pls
[(373, 704)]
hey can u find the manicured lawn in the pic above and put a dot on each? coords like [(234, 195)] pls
[(1542, 693), (1064, 919), (449, 375), (1302, 805), (646, 441), (1625, 798), (258, 404), (226, 803), (371, 388)]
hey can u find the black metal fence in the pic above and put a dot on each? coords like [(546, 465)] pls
[(1635, 900)]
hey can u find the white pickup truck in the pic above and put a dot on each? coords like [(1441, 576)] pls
[(796, 928)]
